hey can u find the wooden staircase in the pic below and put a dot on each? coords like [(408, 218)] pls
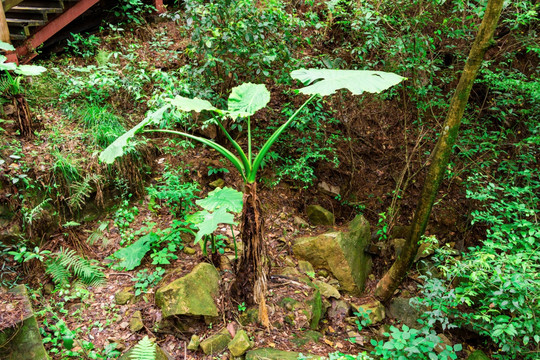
[(32, 22), (29, 23), (25, 16)]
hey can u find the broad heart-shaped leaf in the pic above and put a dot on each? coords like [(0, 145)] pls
[(116, 149), (326, 82), (211, 220), (29, 70), (6, 46), (197, 105), (246, 99), (6, 66), (227, 198), (132, 255)]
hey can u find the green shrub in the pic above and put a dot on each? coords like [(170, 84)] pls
[(413, 344)]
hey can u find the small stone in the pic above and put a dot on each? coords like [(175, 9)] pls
[(440, 347), (122, 297), (327, 290), (323, 273), (216, 343), (375, 309), (250, 316), (136, 323), (240, 344), (478, 355), (301, 223), (306, 267), (319, 216), (48, 288), (328, 189), (189, 250), (219, 183), (194, 342)]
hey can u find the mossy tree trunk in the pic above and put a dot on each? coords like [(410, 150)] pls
[(441, 154), (250, 283)]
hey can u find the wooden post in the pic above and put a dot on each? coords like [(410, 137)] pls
[(4, 31)]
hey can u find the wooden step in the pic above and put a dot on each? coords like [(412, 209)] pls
[(25, 22), (39, 6)]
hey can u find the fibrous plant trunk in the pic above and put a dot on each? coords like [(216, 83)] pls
[(250, 283), (441, 154), (22, 113)]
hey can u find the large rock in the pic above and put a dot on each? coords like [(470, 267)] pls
[(401, 309), (191, 295), (318, 215), (23, 340), (341, 253), (274, 354)]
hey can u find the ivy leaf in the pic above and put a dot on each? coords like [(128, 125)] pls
[(117, 148), (227, 198), (211, 222), (246, 99), (326, 81), (187, 104), (132, 255)]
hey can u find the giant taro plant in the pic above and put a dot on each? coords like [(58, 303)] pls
[(244, 101)]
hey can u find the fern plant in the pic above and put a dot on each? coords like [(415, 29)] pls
[(145, 349), (61, 266)]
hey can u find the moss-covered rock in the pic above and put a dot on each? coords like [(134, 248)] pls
[(316, 310), (375, 310), (194, 342), (216, 343), (319, 216), (274, 354), (341, 253), (136, 322), (123, 297), (193, 294), (478, 355), (23, 340), (240, 344)]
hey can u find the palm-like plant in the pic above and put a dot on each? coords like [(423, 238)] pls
[(244, 101)]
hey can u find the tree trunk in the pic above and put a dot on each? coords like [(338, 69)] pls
[(22, 113), (250, 283), (441, 154)]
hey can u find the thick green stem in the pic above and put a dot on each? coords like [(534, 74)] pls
[(441, 154)]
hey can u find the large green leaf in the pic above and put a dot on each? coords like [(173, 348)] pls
[(6, 46), (326, 82), (227, 198), (211, 220), (187, 104), (132, 255), (246, 99), (6, 66), (116, 149), (29, 70)]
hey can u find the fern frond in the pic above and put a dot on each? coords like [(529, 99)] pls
[(98, 233), (59, 273), (81, 190), (82, 268), (145, 349)]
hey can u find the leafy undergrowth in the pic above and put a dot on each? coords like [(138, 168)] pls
[(69, 222)]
